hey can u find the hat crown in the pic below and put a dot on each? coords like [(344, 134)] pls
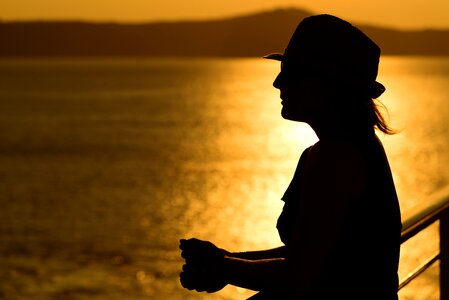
[(332, 45)]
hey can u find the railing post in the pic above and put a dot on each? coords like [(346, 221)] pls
[(444, 256)]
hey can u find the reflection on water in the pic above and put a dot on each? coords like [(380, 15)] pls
[(105, 164)]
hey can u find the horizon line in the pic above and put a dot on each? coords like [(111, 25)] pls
[(212, 19)]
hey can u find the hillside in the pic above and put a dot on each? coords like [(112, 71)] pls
[(243, 36)]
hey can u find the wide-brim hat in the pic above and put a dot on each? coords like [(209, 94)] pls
[(333, 48)]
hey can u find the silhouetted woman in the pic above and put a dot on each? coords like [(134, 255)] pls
[(341, 220)]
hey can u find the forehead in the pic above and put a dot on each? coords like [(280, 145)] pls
[(296, 66), (310, 70)]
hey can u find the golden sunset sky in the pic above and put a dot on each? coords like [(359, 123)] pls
[(410, 14)]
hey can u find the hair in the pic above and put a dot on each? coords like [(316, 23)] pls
[(361, 111), (376, 117)]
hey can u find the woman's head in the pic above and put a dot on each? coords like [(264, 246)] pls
[(330, 65)]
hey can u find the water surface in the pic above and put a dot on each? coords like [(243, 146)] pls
[(106, 163)]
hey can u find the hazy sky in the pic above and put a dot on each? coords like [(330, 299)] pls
[(397, 13)]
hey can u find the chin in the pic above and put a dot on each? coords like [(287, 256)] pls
[(288, 115)]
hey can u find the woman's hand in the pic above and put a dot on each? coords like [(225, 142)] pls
[(201, 252), (201, 279), (203, 268)]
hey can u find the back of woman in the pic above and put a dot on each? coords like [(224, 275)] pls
[(366, 259)]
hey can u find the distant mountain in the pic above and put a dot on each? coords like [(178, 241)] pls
[(243, 36)]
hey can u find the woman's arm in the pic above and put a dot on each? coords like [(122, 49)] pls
[(209, 268), (258, 275), (278, 252), (198, 249)]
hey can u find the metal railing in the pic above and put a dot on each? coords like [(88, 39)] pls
[(436, 208)]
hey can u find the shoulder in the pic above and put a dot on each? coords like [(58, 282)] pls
[(339, 165), (337, 152)]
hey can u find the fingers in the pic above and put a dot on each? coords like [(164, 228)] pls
[(192, 279), (187, 245), (187, 281), (183, 243), (192, 249), (190, 257), (190, 243), (184, 246), (197, 281), (199, 272)]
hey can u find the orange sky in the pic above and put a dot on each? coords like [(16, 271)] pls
[(397, 13)]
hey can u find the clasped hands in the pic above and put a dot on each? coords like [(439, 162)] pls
[(203, 269)]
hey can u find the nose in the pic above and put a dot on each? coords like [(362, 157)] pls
[(277, 81)]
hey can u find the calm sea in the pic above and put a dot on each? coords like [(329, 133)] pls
[(106, 163)]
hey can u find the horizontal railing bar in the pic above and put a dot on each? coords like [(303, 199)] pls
[(415, 273), (423, 215), (418, 227), (420, 217)]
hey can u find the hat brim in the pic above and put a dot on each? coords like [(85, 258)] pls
[(275, 56), (377, 88)]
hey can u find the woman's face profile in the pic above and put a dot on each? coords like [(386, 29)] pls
[(302, 94)]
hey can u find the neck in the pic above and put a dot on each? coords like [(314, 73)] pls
[(337, 129), (326, 132)]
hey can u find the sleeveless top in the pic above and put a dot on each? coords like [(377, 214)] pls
[(365, 261)]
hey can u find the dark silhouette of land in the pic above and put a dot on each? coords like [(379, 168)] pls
[(243, 36)]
